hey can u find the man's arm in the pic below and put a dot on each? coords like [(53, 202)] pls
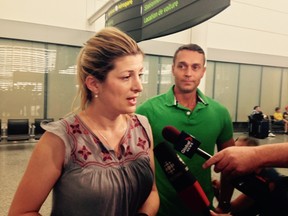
[(226, 188), (242, 160)]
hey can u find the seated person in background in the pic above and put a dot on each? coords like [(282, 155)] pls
[(285, 114), (258, 115), (244, 205), (279, 119)]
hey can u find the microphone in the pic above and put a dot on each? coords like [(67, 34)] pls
[(183, 181), (183, 142), (251, 185)]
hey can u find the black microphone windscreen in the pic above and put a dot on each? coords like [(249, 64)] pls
[(173, 166), (170, 134)]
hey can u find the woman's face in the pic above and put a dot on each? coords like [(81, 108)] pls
[(122, 86)]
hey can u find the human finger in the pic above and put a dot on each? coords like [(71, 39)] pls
[(213, 160)]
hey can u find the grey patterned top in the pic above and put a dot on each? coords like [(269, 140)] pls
[(96, 182)]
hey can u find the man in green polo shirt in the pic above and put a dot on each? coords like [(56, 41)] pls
[(186, 108)]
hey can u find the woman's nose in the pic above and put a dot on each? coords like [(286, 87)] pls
[(137, 85)]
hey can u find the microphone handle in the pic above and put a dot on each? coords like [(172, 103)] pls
[(203, 154), (195, 198)]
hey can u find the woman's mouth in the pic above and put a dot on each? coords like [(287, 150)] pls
[(132, 101)]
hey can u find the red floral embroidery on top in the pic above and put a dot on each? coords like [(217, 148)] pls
[(75, 128), (85, 152), (106, 156), (127, 151), (141, 143), (136, 122)]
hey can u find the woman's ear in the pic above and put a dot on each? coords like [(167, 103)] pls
[(92, 84)]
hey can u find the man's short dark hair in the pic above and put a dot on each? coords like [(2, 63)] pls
[(189, 47)]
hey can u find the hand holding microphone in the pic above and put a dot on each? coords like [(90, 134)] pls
[(234, 160)]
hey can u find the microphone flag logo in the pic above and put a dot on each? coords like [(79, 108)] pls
[(187, 144)]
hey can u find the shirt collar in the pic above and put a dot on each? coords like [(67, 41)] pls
[(171, 99)]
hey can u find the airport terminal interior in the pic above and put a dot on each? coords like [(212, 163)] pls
[(246, 65)]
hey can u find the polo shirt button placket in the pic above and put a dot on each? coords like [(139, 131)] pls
[(188, 113)]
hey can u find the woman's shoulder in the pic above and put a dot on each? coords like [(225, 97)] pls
[(61, 126)]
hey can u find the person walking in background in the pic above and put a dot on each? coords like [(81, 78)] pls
[(185, 107), (279, 119), (98, 161)]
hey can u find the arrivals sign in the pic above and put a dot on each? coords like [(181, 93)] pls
[(147, 19)]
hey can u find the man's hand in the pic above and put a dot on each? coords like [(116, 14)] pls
[(234, 160)]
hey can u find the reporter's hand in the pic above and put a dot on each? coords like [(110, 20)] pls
[(234, 160)]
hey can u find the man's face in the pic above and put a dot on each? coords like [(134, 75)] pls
[(188, 70)]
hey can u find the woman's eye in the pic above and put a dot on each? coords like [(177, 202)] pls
[(126, 77)]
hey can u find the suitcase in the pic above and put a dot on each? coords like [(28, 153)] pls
[(252, 128), (262, 129)]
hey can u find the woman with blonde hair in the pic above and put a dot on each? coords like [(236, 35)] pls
[(98, 161)]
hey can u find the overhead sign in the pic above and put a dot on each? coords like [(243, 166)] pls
[(147, 19)]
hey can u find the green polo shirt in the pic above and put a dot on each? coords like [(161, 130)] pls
[(209, 122)]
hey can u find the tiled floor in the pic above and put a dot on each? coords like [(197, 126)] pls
[(14, 158), (13, 161)]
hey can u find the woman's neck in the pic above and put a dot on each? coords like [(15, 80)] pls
[(109, 129)]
